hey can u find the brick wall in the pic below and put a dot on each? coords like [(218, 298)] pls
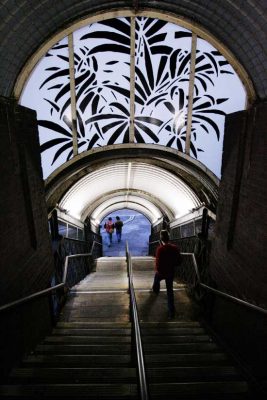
[(239, 258), (26, 258)]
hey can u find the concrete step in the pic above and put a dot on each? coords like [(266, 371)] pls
[(87, 339), (172, 331), (94, 311), (92, 332), (91, 299), (181, 348), (94, 325), (196, 390), (98, 319), (192, 374), (71, 391), (171, 324), (78, 360), (96, 349), (188, 359), (177, 339), (73, 375)]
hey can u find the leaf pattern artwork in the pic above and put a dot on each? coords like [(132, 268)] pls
[(102, 86)]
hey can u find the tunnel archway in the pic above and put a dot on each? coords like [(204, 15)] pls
[(147, 179)]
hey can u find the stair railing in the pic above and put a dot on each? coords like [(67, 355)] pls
[(219, 292), (144, 395), (52, 288)]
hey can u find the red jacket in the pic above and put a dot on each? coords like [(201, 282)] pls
[(167, 258)]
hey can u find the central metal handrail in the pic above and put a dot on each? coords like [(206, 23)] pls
[(137, 334), (52, 288)]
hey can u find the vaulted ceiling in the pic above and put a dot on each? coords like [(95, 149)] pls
[(148, 178)]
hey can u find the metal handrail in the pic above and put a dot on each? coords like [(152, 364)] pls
[(52, 288), (223, 294), (139, 348), (219, 292)]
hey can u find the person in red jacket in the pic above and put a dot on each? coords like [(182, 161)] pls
[(167, 258), (109, 226)]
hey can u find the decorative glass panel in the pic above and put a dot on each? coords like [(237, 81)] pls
[(102, 85), (162, 67), (48, 92), (218, 91), (102, 78)]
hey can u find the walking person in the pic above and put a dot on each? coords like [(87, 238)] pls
[(167, 258), (118, 227), (109, 226)]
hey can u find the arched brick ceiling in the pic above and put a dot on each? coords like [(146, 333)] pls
[(239, 25)]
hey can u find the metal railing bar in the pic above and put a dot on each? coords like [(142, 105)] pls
[(223, 294), (234, 299), (50, 289), (139, 348), (30, 297)]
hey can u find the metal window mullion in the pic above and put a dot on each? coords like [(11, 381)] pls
[(73, 95), (132, 80), (191, 93)]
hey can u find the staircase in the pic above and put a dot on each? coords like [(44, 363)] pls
[(183, 362), (88, 355), (89, 352)]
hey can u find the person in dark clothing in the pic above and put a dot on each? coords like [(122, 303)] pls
[(118, 227), (167, 258)]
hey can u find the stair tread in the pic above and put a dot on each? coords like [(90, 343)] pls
[(77, 360), (94, 325), (170, 324), (73, 390), (199, 387), (172, 331), (87, 339), (59, 375), (151, 348), (177, 339), (186, 359), (193, 373), (84, 348), (92, 331)]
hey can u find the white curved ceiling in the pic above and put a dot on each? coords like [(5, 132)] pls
[(137, 203), (161, 188)]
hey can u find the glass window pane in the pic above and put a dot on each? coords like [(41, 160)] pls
[(218, 91), (72, 232), (62, 228), (48, 92), (162, 79), (102, 76), (80, 234), (187, 230)]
